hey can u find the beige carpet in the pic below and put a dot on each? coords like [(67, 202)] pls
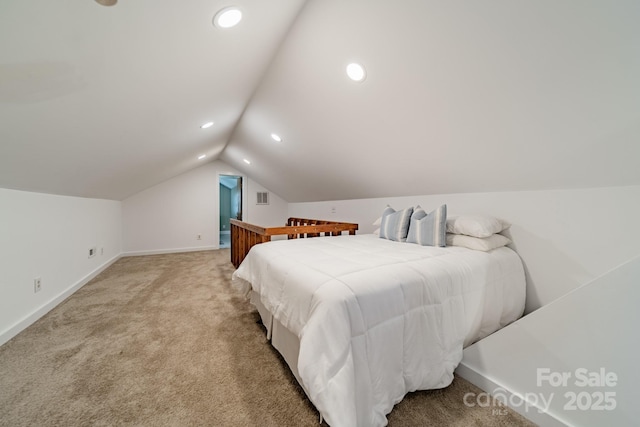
[(164, 341)]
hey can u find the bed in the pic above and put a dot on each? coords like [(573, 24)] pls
[(361, 321)]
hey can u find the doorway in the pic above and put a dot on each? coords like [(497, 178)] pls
[(230, 206)]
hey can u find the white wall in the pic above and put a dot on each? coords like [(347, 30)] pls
[(565, 237), (169, 216), (48, 236), (272, 215), (589, 329)]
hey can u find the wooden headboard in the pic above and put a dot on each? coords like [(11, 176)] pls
[(245, 235)]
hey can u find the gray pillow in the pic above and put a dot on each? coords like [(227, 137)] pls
[(395, 225), (428, 229)]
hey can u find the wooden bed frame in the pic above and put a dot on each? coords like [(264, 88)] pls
[(245, 235)]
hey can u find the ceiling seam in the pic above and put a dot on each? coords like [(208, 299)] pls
[(263, 75)]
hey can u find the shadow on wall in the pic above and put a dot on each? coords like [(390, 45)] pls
[(550, 263)]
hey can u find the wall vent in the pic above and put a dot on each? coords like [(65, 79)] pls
[(263, 198)]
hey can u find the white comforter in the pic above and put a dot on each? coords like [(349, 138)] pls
[(377, 319)]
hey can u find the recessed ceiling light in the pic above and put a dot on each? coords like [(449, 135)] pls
[(276, 137), (202, 156), (356, 72), (227, 17), (107, 2), (246, 161), (207, 125)]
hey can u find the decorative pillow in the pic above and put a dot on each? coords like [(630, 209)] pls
[(395, 225), (377, 222), (476, 225), (478, 243), (428, 229)]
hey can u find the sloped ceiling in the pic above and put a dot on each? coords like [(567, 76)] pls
[(106, 101), (460, 96)]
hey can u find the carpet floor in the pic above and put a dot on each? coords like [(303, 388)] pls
[(163, 340)]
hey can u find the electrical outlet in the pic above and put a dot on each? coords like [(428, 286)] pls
[(333, 210), (199, 237), (37, 284), (92, 252)]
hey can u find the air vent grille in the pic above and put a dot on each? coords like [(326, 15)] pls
[(263, 198)]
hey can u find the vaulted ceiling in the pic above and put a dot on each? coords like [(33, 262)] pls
[(459, 96)]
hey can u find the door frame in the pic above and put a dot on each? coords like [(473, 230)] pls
[(245, 204)]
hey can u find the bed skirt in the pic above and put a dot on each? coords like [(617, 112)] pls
[(282, 339)]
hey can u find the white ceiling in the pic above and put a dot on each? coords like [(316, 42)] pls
[(460, 96), (106, 101)]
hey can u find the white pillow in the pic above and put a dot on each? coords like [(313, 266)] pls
[(477, 243), (476, 225), (377, 222)]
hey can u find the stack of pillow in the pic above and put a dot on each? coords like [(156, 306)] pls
[(415, 225), (477, 232)]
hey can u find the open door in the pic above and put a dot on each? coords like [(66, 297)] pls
[(230, 205)]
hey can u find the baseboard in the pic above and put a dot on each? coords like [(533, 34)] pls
[(28, 320), (169, 251)]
